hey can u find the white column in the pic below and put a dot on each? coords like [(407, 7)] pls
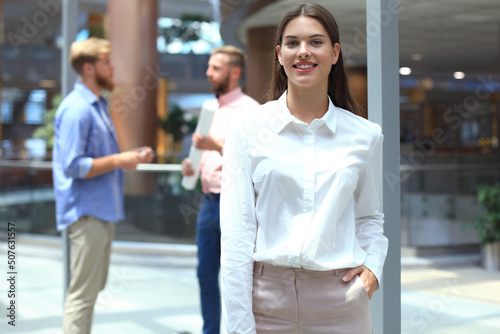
[(68, 78), (383, 108)]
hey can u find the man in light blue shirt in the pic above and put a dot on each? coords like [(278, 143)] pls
[(88, 180)]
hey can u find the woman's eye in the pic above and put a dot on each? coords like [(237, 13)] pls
[(291, 43), (317, 42)]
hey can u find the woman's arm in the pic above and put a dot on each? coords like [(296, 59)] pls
[(369, 219), (238, 228)]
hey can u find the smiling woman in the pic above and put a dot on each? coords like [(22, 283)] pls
[(302, 231), (327, 32), (307, 56)]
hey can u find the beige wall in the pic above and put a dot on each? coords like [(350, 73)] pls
[(358, 84), (260, 60)]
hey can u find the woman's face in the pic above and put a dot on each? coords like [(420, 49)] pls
[(306, 53)]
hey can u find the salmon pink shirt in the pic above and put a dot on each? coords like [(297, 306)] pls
[(231, 106)]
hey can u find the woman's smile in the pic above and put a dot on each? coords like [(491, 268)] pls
[(306, 52)]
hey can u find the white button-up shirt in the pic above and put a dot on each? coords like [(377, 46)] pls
[(298, 195)]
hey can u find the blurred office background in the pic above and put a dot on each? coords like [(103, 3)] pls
[(449, 103)]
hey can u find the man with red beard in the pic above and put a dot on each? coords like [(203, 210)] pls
[(88, 179), (225, 68)]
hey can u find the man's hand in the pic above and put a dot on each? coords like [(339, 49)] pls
[(367, 277), (128, 160), (187, 168), (206, 143), (146, 154)]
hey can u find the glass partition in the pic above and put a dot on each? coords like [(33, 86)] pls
[(166, 214), (438, 200)]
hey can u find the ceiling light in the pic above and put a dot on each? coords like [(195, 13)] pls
[(47, 83), (405, 71), (417, 57), (459, 75)]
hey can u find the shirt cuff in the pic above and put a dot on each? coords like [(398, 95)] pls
[(85, 164), (373, 263)]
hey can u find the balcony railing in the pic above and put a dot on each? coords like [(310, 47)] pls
[(167, 214), (436, 199)]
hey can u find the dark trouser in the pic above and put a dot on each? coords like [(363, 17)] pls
[(208, 242)]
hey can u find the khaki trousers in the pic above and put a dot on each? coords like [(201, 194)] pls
[(293, 301), (90, 249)]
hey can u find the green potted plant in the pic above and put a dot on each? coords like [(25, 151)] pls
[(46, 130), (488, 226)]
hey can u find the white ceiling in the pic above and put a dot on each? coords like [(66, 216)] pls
[(450, 35)]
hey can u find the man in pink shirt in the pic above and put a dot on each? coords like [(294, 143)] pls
[(225, 68)]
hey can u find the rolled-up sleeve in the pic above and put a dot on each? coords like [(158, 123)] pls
[(369, 219), (73, 130), (238, 228)]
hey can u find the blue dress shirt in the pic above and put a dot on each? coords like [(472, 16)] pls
[(84, 131)]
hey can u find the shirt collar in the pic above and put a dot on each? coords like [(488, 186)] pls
[(230, 96), (88, 95), (329, 118)]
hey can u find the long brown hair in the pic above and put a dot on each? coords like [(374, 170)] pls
[(338, 88)]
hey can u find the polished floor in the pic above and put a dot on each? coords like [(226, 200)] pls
[(152, 288)]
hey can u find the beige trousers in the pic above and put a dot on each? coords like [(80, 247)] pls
[(293, 301), (90, 249)]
